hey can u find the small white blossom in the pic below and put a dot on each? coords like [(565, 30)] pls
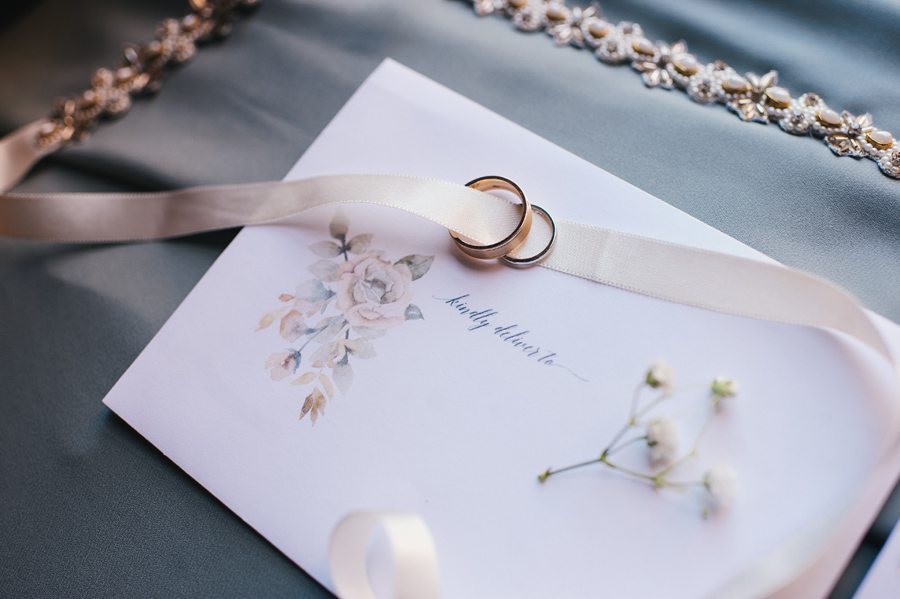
[(721, 482), (664, 440), (725, 387), (661, 374)]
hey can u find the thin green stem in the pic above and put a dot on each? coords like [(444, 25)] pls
[(650, 406), (690, 387), (615, 450), (635, 416), (635, 399), (550, 472), (656, 480), (684, 485), (694, 447), (617, 438)]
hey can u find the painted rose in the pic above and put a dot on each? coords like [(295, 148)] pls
[(372, 292)]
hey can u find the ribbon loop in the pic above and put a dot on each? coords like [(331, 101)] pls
[(412, 551)]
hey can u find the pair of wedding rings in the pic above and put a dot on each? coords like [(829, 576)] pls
[(508, 244)]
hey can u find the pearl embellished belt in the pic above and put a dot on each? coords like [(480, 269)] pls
[(751, 97), (669, 66), (141, 72)]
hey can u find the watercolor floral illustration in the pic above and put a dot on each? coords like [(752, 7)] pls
[(355, 296), (660, 436)]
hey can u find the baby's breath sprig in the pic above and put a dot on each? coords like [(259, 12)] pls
[(662, 437)]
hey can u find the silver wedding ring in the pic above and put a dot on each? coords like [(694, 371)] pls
[(532, 260)]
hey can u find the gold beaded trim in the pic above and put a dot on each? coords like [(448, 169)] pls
[(751, 97), (141, 72)]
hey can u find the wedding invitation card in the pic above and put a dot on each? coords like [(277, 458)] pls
[(352, 359)]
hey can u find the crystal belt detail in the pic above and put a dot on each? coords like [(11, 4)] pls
[(751, 97), (141, 71)]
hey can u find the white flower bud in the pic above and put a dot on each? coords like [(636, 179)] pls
[(721, 482), (661, 374), (664, 440), (724, 387)]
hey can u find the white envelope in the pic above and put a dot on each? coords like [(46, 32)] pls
[(452, 413)]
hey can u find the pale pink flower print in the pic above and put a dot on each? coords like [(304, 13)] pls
[(282, 364), (372, 292), (358, 295)]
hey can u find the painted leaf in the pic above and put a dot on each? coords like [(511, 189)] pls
[(304, 379), (331, 331), (325, 270), (318, 406), (361, 348), (285, 297), (293, 326), (313, 290), (339, 225), (326, 249), (323, 353), (268, 318), (418, 265), (315, 403), (326, 384), (359, 244), (343, 375), (413, 313), (307, 405), (369, 332)]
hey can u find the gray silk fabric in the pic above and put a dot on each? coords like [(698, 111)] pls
[(90, 509)]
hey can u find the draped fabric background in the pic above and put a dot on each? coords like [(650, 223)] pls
[(90, 508)]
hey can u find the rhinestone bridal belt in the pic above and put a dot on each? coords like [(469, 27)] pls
[(751, 97), (141, 71)]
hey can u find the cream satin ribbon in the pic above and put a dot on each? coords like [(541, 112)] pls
[(669, 271), (412, 553), (673, 272), (19, 152)]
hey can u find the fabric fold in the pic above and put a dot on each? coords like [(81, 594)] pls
[(668, 271)]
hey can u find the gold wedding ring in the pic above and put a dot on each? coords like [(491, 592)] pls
[(531, 260), (514, 239)]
